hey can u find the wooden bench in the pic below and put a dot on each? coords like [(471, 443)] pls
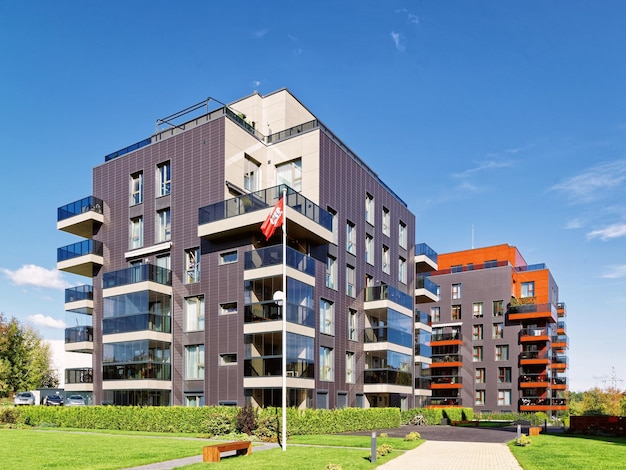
[(212, 453)]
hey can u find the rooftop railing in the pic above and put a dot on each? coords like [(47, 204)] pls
[(387, 292), (134, 274), (86, 247), (130, 148), (86, 204)]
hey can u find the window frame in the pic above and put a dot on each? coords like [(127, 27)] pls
[(327, 317), (136, 188), (164, 179)]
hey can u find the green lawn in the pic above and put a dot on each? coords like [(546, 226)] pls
[(572, 453), (62, 449)]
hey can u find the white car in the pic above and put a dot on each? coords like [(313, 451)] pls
[(76, 400), (24, 398)]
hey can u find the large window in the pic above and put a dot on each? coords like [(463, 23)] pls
[(502, 352), (194, 313), (136, 232), (479, 375), (479, 397), (369, 249), (350, 238), (477, 309), (402, 234), (327, 317), (528, 289), (435, 314), (164, 229), (327, 364), (456, 291), (251, 174), (352, 325), (477, 353), (369, 208), (504, 397), (386, 222), (402, 275), (504, 374), (498, 330), (350, 280), (136, 188), (164, 179), (331, 272), (477, 332), (290, 173), (192, 265), (194, 362), (456, 312), (350, 367)]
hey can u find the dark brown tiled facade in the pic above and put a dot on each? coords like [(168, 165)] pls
[(225, 173)]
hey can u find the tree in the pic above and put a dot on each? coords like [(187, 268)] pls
[(25, 359)]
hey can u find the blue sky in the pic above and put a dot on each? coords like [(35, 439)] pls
[(505, 116)]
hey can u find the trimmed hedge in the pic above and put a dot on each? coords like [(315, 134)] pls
[(435, 415)]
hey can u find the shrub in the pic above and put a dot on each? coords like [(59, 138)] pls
[(8, 416), (267, 427), (383, 450), (523, 441), (412, 436), (333, 466), (246, 420), (384, 434)]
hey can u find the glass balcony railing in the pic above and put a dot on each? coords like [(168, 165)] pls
[(422, 383), (74, 294), (387, 376), (559, 381), (561, 325), (424, 249), (446, 379), (533, 355), (443, 401), (264, 199), (388, 293), (422, 317), (134, 274), (530, 267), (139, 322), (86, 247), (273, 255), (531, 308), (384, 334), (264, 366), (137, 371), (526, 378), (292, 131), (79, 376), (421, 349), (81, 206), (446, 336), (560, 339), (271, 311), (130, 148), (423, 282), (535, 332), (559, 359), (79, 334), (447, 358)]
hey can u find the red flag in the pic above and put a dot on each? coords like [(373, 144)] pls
[(274, 219)]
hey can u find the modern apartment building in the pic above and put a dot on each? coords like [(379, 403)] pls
[(183, 300), (498, 333)]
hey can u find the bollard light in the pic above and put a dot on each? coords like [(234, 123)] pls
[(373, 457)]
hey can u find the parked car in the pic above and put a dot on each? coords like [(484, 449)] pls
[(24, 398), (53, 400), (76, 400)]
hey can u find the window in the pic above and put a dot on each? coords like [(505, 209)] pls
[(386, 222), (456, 291), (504, 397), (228, 257), (479, 397), (479, 375), (352, 325), (457, 268), (290, 173), (435, 314), (492, 263), (228, 308), (502, 353), (136, 188), (350, 367), (327, 369), (456, 312), (351, 238), (477, 332), (327, 317), (402, 234), (385, 259), (402, 270), (164, 261), (504, 375), (369, 281), (164, 177), (498, 308), (369, 209), (477, 309), (477, 353), (192, 265), (194, 400), (229, 359), (194, 313), (528, 289), (369, 249), (334, 224), (136, 232), (194, 362), (498, 330), (164, 230), (331, 272), (251, 173), (350, 279)]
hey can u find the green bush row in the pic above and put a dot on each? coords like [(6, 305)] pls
[(435, 415)]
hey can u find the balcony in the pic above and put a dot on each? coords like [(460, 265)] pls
[(559, 383), (443, 401), (79, 339), (270, 311), (561, 310), (534, 381), (425, 258), (386, 334), (136, 274), (79, 376), (425, 290), (273, 256), (137, 371), (79, 299), (271, 366), (387, 376), (82, 258), (559, 362), (533, 357), (422, 383), (423, 318), (244, 214), (560, 342), (138, 322), (446, 382), (447, 360), (82, 218), (531, 403), (381, 293), (446, 339), (560, 328), (534, 335), (532, 311)]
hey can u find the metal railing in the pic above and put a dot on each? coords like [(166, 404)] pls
[(134, 274), (76, 293), (86, 204), (387, 292), (75, 250)]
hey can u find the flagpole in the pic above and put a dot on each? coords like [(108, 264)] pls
[(284, 318)]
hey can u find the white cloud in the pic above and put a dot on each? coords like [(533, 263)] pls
[(489, 164), (261, 33), (594, 182), (32, 275), (411, 17), (574, 224), (397, 40), (607, 233), (615, 272), (43, 320)]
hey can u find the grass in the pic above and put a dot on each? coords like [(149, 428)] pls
[(571, 452), (63, 449)]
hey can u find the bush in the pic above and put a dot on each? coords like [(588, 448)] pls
[(383, 435), (523, 441), (333, 466), (8, 416), (246, 420), (412, 436), (383, 450)]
